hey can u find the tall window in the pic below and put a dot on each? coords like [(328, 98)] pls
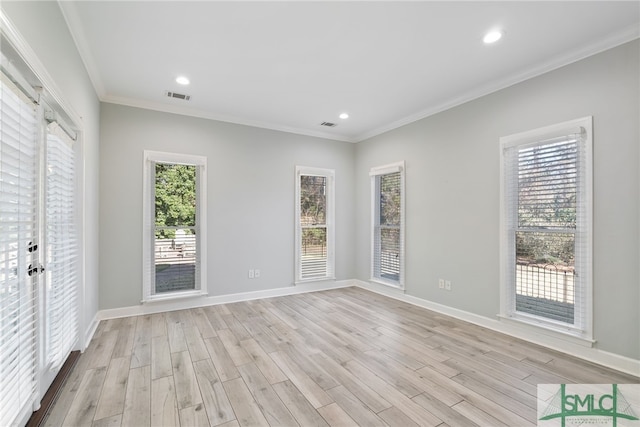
[(174, 217), (387, 253), (546, 249), (314, 224)]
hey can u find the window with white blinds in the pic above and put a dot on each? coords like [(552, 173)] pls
[(18, 237), (387, 252), (546, 227), (174, 221), (61, 257), (315, 255)]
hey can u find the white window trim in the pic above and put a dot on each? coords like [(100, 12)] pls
[(148, 281), (330, 222), (585, 331), (374, 173)]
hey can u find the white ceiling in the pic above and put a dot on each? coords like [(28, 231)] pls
[(292, 65)]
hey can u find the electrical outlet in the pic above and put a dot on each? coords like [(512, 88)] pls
[(251, 274), (256, 274), (447, 285), (441, 283)]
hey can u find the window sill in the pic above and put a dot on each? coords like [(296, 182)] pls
[(314, 280), (174, 296), (390, 284), (548, 328)]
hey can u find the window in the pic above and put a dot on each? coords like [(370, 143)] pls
[(546, 223), (387, 253), (174, 222), (314, 224)]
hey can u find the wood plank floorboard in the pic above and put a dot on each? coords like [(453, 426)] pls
[(164, 405), (344, 357)]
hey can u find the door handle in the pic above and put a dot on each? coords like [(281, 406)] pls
[(31, 270)]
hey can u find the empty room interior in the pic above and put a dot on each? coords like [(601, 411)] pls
[(319, 213)]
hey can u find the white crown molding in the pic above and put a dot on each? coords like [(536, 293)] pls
[(74, 24), (192, 112), (616, 39), (527, 333), (195, 302)]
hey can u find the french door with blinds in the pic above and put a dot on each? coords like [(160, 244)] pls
[(39, 246)]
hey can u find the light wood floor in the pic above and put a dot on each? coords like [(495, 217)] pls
[(342, 357)]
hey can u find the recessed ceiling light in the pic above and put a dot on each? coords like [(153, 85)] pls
[(492, 36), (182, 80), (344, 116)]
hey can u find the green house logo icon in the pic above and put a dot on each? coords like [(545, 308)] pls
[(612, 406)]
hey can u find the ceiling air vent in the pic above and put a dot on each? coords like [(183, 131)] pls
[(328, 124), (178, 95)]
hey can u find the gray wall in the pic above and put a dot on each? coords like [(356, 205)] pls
[(452, 183), (452, 186), (251, 189), (45, 30)]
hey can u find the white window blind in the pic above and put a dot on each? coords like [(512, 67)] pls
[(387, 254), (547, 205), (18, 237), (62, 255), (314, 224)]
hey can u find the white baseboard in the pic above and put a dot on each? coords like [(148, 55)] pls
[(545, 339), (91, 330), (195, 302)]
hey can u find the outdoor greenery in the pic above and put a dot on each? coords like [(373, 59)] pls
[(175, 198), (313, 199), (545, 248), (390, 199), (313, 210)]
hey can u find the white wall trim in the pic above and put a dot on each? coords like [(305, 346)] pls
[(90, 332), (187, 303), (527, 333)]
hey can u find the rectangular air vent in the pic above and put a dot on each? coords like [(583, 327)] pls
[(178, 95), (328, 124)]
